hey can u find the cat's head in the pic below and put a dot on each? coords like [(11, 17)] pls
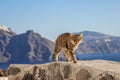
[(77, 38)]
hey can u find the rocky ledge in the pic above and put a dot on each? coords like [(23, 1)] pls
[(83, 70), (3, 73)]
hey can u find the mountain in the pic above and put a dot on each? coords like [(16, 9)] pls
[(30, 46), (19, 48), (5, 35), (94, 42)]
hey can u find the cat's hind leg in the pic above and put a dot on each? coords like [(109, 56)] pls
[(67, 55), (56, 54)]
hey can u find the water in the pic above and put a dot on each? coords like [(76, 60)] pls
[(4, 66), (111, 57)]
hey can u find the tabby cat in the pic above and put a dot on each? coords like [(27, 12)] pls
[(69, 43)]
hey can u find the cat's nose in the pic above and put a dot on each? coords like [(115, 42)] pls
[(75, 42)]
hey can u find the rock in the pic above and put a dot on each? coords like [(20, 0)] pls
[(40, 74), (13, 71), (82, 74), (55, 71), (2, 73), (83, 70), (106, 76), (28, 76), (67, 71)]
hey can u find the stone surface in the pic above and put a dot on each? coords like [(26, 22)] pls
[(2, 73), (83, 70), (13, 71), (82, 74)]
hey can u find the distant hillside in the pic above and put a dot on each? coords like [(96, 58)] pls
[(31, 46), (94, 42), (25, 47), (5, 35)]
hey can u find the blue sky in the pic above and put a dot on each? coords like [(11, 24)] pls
[(53, 17)]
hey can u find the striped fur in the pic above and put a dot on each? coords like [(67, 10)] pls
[(69, 43)]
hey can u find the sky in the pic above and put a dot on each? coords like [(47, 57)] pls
[(50, 18)]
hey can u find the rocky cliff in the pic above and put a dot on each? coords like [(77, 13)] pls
[(95, 42), (83, 70), (24, 48), (5, 35), (28, 47)]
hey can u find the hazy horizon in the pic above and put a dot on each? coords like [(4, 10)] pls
[(53, 17)]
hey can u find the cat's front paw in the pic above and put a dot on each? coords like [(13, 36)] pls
[(75, 62)]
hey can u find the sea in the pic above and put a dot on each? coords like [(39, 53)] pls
[(111, 57), (107, 56)]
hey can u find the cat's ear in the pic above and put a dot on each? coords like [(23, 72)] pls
[(71, 35), (80, 35)]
